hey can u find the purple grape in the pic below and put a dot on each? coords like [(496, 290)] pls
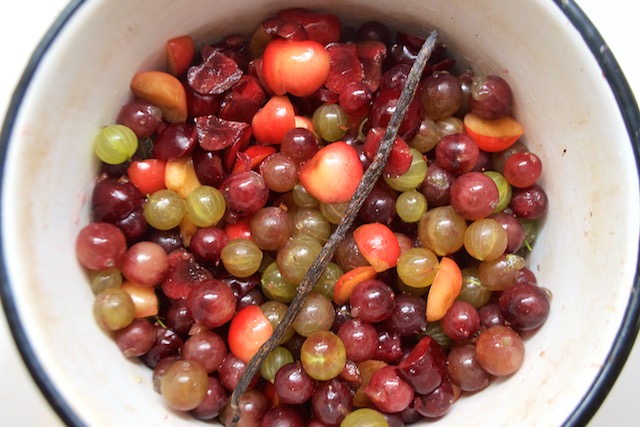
[(464, 370), (525, 306), (282, 416), (331, 401), (490, 97), (136, 339), (530, 202), (438, 402), (215, 399), (360, 339), (461, 321), (113, 200), (140, 116), (372, 301), (436, 186), (408, 315), (293, 384)]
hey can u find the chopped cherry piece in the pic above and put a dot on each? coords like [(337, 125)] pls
[(216, 134), (288, 30), (164, 91), (208, 166), (249, 329), (333, 173), (238, 228), (199, 104), (215, 75), (493, 135), (378, 244), (243, 101), (254, 155), (324, 28), (383, 107), (345, 66), (184, 274), (425, 366), (372, 54)]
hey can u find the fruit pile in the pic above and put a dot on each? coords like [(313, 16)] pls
[(226, 173)]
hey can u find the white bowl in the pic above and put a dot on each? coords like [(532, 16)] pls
[(570, 96)]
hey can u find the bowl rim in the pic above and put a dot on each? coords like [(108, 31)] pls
[(628, 106), (627, 331)]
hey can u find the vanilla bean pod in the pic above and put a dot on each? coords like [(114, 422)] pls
[(365, 186)]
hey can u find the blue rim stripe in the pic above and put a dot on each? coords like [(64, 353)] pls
[(627, 332)]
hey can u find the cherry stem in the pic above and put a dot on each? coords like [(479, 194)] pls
[(365, 186)]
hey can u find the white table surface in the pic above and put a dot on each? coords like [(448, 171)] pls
[(23, 23)]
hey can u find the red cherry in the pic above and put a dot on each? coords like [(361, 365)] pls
[(249, 329), (333, 173), (147, 175), (299, 67), (240, 229), (378, 244), (273, 120), (180, 52)]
